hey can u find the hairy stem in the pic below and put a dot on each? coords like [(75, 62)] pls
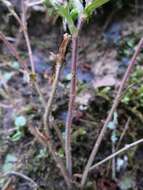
[(114, 106)]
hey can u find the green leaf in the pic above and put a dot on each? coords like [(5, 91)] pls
[(127, 182), (15, 65), (78, 133), (94, 5), (126, 99), (65, 13), (61, 152), (2, 180), (20, 121), (78, 6), (43, 153), (7, 76), (114, 137), (17, 136), (111, 125), (74, 14), (63, 10), (9, 161)]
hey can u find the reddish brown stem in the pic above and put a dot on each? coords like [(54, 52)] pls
[(72, 98), (71, 106), (114, 106)]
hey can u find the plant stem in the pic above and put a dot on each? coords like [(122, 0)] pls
[(12, 49), (123, 133), (59, 61), (114, 106), (115, 154), (42, 99), (47, 142), (50, 100), (71, 106), (72, 98), (15, 173), (26, 36)]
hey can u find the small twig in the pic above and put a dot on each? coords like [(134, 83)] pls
[(113, 163), (5, 106), (114, 106), (59, 61), (15, 53), (59, 135), (18, 37), (42, 99), (38, 2), (47, 143), (123, 133), (35, 186), (50, 100), (23, 23), (12, 49), (7, 184), (136, 113), (9, 5), (40, 137), (116, 153), (8, 131), (26, 36), (120, 139)]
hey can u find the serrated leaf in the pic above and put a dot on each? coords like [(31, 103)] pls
[(94, 5)]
